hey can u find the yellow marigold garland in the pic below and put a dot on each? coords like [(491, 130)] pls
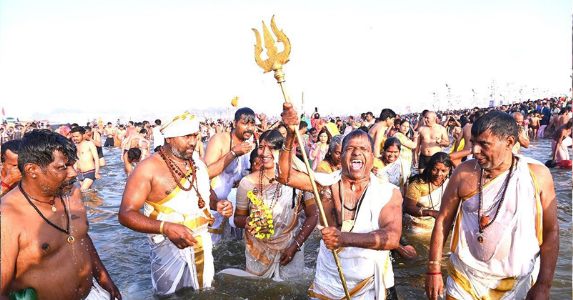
[(261, 217)]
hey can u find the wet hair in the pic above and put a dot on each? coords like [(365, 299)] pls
[(79, 129), (392, 142), (38, 147), (273, 137), (328, 136), (246, 114), (133, 154), (74, 125), (501, 125), (355, 134), (143, 131), (438, 157), (12, 145), (335, 141), (387, 113)]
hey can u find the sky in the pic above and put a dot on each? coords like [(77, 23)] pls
[(75, 60)]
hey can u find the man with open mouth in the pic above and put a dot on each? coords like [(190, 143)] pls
[(364, 215)]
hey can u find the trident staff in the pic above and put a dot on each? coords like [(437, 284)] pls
[(275, 63)]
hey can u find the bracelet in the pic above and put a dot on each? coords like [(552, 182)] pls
[(161, 227), (286, 149), (434, 273), (233, 153), (434, 262), (4, 184), (297, 245)]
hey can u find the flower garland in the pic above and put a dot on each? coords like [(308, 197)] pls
[(261, 217)]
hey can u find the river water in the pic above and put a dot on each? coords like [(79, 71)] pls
[(125, 253)]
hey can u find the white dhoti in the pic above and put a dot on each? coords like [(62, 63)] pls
[(97, 292), (173, 268), (368, 272), (505, 264)]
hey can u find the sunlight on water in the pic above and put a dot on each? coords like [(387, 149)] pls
[(125, 253)]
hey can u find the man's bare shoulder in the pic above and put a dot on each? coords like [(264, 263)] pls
[(220, 138), (375, 128), (541, 172), (11, 204)]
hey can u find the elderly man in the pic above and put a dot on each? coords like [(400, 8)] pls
[(364, 216), (46, 249), (173, 186), (10, 173), (433, 137), (506, 221), (522, 134), (227, 163)]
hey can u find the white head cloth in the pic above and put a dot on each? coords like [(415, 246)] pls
[(182, 125)]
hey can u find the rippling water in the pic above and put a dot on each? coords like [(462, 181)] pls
[(125, 253)]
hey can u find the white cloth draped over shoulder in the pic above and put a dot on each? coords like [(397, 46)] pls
[(368, 272), (506, 264), (173, 268)]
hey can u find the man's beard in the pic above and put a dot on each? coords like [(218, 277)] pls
[(66, 187), (182, 154)]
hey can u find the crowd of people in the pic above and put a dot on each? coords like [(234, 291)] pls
[(200, 181)]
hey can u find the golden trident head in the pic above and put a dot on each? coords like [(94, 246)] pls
[(276, 60)]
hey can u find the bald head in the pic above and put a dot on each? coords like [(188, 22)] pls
[(518, 117), (431, 118)]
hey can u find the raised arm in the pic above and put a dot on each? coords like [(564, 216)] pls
[(287, 175), (216, 160), (549, 248)]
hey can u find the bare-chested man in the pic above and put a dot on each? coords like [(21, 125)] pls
[(88, 162), (10, 173), (433, 137), (133, 141), (95, 137), (522, 135), (173, 187), (379, 131), (109, 133), (227, 161), (561, 140), (120, 134), (534, 124), (46, 248), (561, 119)]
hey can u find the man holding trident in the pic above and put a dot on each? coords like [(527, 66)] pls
[(173, 186), (364, 214), (506, 221)]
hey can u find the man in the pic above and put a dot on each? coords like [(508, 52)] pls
[(46, 248), (119, 136), (522, 134), (158, 139), (561, 140), (227, 163), (134, 140), (173, 186), (95, 137), (130, 129), (506, 224), (87, 164), (369, 120), (109, 132), (378, 131), (432, 137), (10, 173), (364, 215)]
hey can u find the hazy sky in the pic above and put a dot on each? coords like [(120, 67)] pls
[(78, 59)]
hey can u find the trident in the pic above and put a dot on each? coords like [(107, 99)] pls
[(275, 63)]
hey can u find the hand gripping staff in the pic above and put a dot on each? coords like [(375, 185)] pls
[(275, 63)]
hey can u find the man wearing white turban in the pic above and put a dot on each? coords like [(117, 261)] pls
[(172, 186)]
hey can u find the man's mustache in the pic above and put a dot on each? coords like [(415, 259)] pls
[(69, 182)]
